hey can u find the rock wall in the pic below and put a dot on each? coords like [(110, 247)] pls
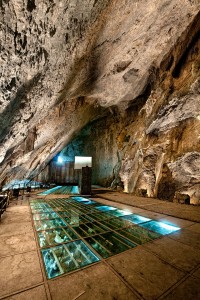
[(133, 64), (44, 51), (153, 145)]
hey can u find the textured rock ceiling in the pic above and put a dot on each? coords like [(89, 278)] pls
[(65, 63)]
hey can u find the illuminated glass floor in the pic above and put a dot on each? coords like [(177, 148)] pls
[(76, 232), (62, 190)]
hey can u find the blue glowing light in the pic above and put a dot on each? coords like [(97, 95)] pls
[(105, 208), (160, 227), (135, 219), (60, 160)]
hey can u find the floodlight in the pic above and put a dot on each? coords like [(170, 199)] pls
[(60, 160)]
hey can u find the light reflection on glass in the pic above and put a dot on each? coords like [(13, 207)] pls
[(160, 227)]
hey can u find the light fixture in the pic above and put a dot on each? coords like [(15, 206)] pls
[(60, 160)]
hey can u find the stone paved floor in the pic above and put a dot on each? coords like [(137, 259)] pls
[(167, 268)]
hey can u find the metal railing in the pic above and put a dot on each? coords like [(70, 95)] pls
[(4, 202)]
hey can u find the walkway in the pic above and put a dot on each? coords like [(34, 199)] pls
[(167, 268)]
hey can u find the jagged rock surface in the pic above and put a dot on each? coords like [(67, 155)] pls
[(65, 64)]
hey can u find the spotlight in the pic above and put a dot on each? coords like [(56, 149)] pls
[(60, 160)]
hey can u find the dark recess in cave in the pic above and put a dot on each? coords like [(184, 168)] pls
[(170, 63), (24, 43), (179, 66), (166, 187), (52, 31), (11, 84), (31, 5), (166, 190), (136, 104)]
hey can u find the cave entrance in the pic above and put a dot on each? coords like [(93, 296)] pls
[(68, 174), (84, 164), (97, 140)]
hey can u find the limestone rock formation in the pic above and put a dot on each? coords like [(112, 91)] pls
[(128, 67)]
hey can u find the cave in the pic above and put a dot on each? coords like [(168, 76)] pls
[(99, 149)]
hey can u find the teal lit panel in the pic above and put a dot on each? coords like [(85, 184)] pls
[(40, 208), (78, 220), (116, 223), (119, 213), (88, 229), (67, 257), (43, 210), (75, 190), (48, 224), (136, 219), (45, 216), (109, 244), (100, 216), (50, 191), (138, 234), (64, 214), (105, 208), (84, 201), (53, 237), (160, 227), (64, 224), (79, 198)]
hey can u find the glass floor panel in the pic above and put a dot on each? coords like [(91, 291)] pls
[(116, 223), (138, 234), (70, 212), (105, 208), (75, 190), (45, 216), (76, 211), (100, 216), (88, 229), (119, 213), (42, 210), (63, 225), (73, 221), (136, 219), (85, 201), (90, 202), (83, 204), (61, 190), (63, 207), (66, 258), (63, 214), (109, 244), (48, 224), (76, 219), (79, 199), (160, 227), (55, 236), (39, 206), (88, 211), (50, 191)]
